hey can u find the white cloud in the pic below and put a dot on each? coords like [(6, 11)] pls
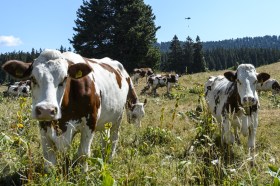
[(9, 41)]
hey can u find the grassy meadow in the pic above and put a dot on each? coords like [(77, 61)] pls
[(178, 144)]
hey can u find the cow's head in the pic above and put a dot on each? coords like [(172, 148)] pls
[(49, 75), (135, 112), (246, 79)]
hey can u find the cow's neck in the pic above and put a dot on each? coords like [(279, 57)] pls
[(233, 102)]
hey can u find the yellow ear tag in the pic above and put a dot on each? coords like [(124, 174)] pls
[(79, 74), (19, 73)]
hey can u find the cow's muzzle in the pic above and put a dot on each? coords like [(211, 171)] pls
[(249, 101), (46, 112)]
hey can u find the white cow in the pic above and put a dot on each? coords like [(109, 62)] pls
[(21, 88), (269, 85), (73, 94), (158, 80), (234, 102)]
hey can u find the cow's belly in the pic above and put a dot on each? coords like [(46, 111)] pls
[(111, 111)]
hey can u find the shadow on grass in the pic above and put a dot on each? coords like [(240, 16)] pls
[(11, 179)]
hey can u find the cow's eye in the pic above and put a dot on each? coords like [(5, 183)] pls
[(64, 80), (33, 80)]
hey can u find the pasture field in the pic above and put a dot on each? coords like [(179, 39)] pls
[(178, 144)]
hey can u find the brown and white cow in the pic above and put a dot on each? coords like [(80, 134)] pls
[(269, 85), (234, 102), (140, 73), (156, 81), (72, 94)]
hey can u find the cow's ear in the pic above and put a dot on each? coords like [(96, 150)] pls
[(262, 77), (79, 70), (230, 75), (18, 69)]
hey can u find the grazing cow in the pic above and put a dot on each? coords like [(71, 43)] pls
[(140, 73), (156, 81), (233, 101), (21, 88), (269, 85), (72, 94)]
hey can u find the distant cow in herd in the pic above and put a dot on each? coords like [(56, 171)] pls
[(269, 85), (234, 102), (72, 94), (156, 81), (141, 73), (22, 88)]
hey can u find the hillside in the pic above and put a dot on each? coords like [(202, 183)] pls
[(167, 150)]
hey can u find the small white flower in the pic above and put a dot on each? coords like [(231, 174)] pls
[(215, 162), (272, 160)]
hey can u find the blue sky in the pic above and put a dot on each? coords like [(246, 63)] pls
[(27, 24)]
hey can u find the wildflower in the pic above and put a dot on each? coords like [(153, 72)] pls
[(20, 125), (108, 126)]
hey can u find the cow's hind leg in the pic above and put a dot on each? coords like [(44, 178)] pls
[(109, 146), (227, 135)]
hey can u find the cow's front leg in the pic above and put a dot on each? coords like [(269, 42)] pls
[(252, 136), (168, 88), (154, 91), (84, 149), (236, 135), (48, 151)]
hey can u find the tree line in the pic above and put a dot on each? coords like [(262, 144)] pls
[(193, 57)]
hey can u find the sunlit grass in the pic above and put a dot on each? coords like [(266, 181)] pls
[(178, 144)]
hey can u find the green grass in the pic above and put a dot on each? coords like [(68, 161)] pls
[(178, 144)]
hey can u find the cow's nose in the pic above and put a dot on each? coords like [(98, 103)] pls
[(249, 100), (46, 112)]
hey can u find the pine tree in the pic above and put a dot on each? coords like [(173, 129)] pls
[(93, 28), (175, 57), (188, 55), (120, 29), (199, 64)]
